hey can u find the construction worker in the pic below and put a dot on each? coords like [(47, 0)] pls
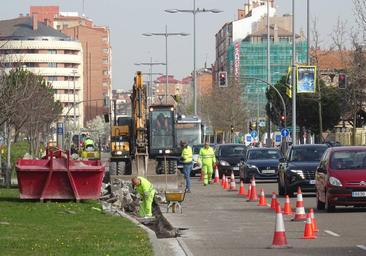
[(147, 193), (187, 157), (207, 160)]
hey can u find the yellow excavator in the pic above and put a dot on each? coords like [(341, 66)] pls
[(148, 133)]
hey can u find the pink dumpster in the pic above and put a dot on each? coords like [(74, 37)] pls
[(59, 178)]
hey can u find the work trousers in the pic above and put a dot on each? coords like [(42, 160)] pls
[(207, 170), (187, 168), (146, 205)]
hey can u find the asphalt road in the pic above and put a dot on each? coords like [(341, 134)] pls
[(220, 222)]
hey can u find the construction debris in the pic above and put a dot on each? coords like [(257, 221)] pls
[(119, 198)]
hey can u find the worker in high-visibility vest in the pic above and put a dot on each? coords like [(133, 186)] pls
[(187, 158), (89, 144), (147, 193), (207, 160)]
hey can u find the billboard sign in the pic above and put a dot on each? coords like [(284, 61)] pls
[(306, 79)]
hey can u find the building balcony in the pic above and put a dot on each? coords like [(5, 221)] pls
[(67, 97), (42, 58), (65, 85)]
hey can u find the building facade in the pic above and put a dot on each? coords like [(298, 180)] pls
[(97, 58), (45, 51), (253, 12)]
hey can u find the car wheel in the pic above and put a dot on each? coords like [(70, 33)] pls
[(289, 191), (281, 190), (319, 204), (328, 206)]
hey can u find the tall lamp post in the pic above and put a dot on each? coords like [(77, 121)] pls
[(74, 71), (150, 64), (294, 86), (194, 11), (166, 35)]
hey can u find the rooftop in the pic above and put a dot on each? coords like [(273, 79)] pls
[(21, 29)]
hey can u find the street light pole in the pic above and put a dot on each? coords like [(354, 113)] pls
[(150, 64), (166, 35), (268, 142), (293, 76), (194, 11), (74, 72)]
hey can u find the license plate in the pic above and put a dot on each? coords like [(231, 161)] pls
[(359, 194), (312, 182), (236, 168), (268, 171)]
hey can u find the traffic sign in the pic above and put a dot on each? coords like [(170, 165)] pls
[(254, 134), (285, 132), (262, 123)]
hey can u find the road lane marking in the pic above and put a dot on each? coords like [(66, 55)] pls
[(362, 247), (332, 233)]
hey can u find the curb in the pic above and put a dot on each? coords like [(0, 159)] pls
[(162, 247)]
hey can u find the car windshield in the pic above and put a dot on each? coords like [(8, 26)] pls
[(196, 149), (232, 150), (348, 160), (263, 154), (308, 154)]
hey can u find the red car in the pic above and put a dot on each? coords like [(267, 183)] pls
[(341, 178)]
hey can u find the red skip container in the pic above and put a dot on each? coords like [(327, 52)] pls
[(59, 177)]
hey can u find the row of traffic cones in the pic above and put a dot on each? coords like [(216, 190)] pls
[(279, 239)]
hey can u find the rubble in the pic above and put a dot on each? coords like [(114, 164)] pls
[(119, 198)]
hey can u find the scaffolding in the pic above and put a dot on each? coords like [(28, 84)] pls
[(253, 63)]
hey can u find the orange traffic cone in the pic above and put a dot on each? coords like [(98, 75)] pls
[(300, 210), (262, 199), (241, 189), (227, 184), (232, 182), (223, 181), (253, 195), (313, 221), (217, 178), (287, 208), (308, 231), (274, 201), (249, 191), (279, 238)]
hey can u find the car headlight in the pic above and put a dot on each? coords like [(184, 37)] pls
[(168, 151), (335, 182), (298, 172), (252, 166), (119, 153), (224, 163)]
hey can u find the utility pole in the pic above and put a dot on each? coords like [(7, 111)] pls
[(293, 76), (269, 141)]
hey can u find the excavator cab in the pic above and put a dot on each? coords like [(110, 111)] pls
[(162, 130)]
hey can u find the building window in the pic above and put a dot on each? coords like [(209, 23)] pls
[(51, 51), (66, 26), (105, 61), (52, 65), (105, 72), (105, 39), (105, 50), (52, 78)]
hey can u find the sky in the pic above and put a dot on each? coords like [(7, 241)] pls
[(128, 20)]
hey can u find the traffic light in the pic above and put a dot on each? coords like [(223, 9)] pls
[(250, 126), (222, 79), (283, 118), (232, 128), (342, 81)]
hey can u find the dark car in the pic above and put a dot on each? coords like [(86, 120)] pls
[(341, 178), (229, 157), (262, 163), (298, 168)]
